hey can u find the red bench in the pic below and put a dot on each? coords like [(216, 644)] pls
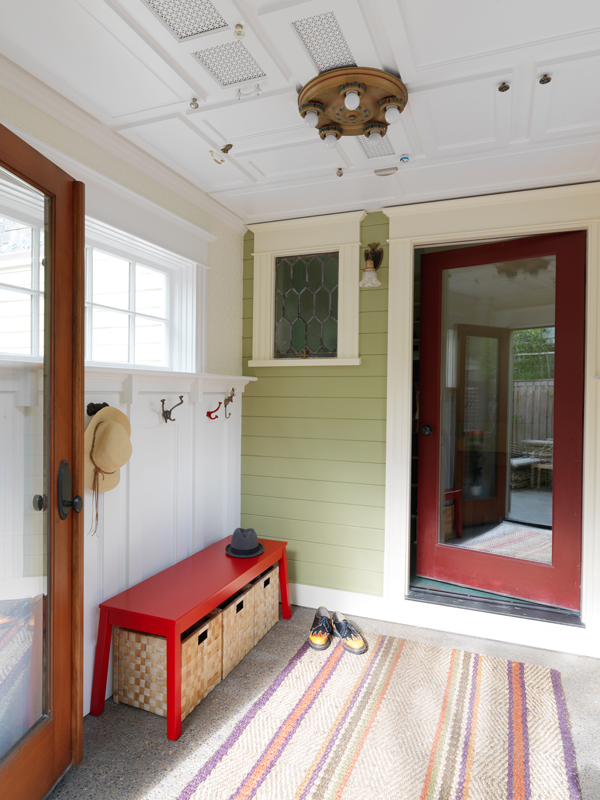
[(172, 601)]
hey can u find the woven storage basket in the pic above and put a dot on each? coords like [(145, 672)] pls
[(238, 628), (266, 602), (140, 666)]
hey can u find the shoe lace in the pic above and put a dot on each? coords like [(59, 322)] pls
[(346, 629), (322, 625)]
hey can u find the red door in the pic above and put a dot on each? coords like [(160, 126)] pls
[(501, 418)]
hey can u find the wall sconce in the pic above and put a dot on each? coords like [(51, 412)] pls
[(373, 259)]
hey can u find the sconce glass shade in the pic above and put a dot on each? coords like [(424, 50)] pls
[(392, 114), (369, 277), (330, 140), (374, 136), (352, 100), (311, 119)]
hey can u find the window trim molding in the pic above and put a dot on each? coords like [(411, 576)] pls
[(334, 232), (185, 278)]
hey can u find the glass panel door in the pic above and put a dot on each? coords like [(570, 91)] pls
[(496, 454), (24, 591), (501, 418)]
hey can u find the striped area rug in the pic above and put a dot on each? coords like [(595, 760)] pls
[(404, 721), (515, 540)]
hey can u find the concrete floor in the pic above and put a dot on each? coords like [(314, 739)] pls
[(128, 757)]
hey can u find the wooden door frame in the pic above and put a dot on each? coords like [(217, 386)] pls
[(57, 739), (562, 579), (499, 500)]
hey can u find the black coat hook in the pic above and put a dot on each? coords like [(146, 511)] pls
[(167, 412)]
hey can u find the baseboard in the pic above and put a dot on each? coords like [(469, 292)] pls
[(363, 605)]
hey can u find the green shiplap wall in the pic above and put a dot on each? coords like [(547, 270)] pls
[(313, 448)]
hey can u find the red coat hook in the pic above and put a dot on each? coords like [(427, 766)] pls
[(209, 414)]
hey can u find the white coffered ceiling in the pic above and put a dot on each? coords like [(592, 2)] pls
[(135, 65)]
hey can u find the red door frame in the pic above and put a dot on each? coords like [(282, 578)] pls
[(558, 584)]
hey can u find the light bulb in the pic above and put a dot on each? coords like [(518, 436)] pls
[(375, 136), (311, 118), (330, 140), (392, 114), (352, 100)]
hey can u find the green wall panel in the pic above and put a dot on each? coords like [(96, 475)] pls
[(313, 447)]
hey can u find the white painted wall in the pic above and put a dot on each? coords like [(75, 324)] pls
[(179, 492)]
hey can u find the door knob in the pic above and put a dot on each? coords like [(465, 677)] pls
[(426, 430), (64, 492)]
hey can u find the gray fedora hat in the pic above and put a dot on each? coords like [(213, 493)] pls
[(244, 544)]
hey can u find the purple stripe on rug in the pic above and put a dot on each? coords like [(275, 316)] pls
[(351, 705), (293, 729), (527, 774), (567, 741), (511, 734), (469, 729), (241, 727)]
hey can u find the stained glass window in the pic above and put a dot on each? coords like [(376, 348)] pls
[(306, 306)]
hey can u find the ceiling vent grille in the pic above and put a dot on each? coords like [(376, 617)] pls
[(325, 42), (188, 18), (230, 63), (380, 150)]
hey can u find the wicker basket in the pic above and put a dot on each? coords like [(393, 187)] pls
[(140, 666), (266, 602), (238, 628)]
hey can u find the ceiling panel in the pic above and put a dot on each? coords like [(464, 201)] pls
[(302, 158), (83, 56), (246, 118), (468, 28), (185, 151), (500, 173), (463, 115)]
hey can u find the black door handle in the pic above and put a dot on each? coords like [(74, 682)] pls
[(426, 430), (64, 492)]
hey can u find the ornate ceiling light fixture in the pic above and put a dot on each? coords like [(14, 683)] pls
[(352, 101)]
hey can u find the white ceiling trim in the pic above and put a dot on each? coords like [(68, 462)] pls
[(46, 99)]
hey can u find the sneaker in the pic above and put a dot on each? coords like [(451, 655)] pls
[(320, 632), (350, 637)]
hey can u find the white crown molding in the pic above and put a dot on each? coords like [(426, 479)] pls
[(312, 222), (26, 86), (496, 199)]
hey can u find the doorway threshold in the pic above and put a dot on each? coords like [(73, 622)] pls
[(425, 590)]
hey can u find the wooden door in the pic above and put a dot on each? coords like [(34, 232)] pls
[(534, 284), (481, 451), (41, 351)]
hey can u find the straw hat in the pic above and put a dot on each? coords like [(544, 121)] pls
[(106, 447)]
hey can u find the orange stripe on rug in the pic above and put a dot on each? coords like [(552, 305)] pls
[(288, 727)]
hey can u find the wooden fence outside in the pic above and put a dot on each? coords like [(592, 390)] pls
[(533, 411)]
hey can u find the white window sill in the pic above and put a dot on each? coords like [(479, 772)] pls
[(307, 362)]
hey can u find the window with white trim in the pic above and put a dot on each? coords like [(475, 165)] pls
[(127, 311), (140, 303), (140, 298), (314, 320)]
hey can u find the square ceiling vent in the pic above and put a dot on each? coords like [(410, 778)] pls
[(188, 18), (325, 42), (379, 150), (230, 63)]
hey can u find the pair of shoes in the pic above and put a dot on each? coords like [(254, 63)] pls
[(324, 626)]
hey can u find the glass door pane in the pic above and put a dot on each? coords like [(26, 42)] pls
[(497, 390), (23, 468)]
